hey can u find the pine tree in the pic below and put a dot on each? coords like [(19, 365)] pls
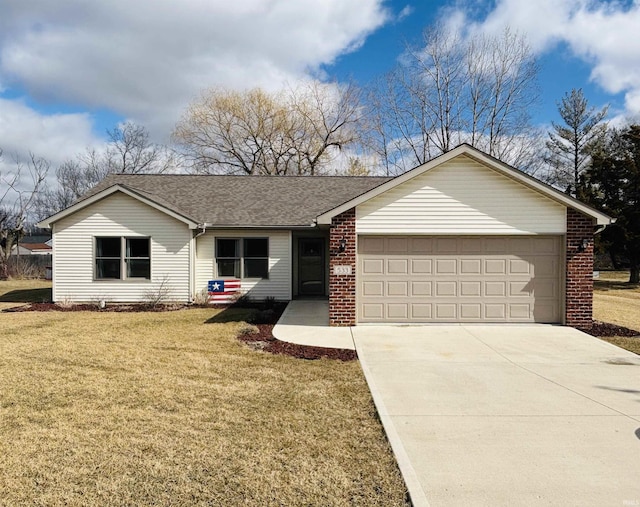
[(570, 145)]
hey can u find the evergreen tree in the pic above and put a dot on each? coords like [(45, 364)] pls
[(613, 185), (571, 144)]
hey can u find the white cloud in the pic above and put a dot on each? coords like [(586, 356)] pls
[(601, 33), (55, 137), (147, 59)]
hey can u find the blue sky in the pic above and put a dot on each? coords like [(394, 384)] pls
[(70, 69)]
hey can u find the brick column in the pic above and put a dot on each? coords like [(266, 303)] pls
[(342, 288), (579, 286)]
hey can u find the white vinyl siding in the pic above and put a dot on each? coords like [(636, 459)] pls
[(461, 196), (119, 215), (278, 285)]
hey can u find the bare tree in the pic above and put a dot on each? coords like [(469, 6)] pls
[(453, 89), (570, 145), (296, 131), (129, 150), (17, 199)]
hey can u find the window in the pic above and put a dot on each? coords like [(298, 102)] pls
[(138, 261), (243, 258), (123, 258), (108, 258)]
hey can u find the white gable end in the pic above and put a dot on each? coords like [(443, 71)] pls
[(461, 196)]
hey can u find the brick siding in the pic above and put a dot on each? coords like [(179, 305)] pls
[(579, 286), (342, 288)]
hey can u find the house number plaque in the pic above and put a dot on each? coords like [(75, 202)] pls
[(342, 270)]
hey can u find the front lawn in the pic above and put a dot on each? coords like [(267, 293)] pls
[(618, 302), (165, 409)]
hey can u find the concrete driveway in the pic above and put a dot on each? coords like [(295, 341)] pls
[(507, 415)]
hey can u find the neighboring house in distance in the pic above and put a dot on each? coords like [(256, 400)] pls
[(31, 249), (462, 238)]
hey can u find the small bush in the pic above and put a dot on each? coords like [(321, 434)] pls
[(202, 298)]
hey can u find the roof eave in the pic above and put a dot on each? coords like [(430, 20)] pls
[(48, 222), (491, 162)]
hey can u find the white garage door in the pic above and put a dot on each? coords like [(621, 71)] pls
[(459, 279)]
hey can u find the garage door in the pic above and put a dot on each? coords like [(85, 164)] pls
[(459, 279)]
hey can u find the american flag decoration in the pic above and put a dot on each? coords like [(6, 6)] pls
[(223, 292)]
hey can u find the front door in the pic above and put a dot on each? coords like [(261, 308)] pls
[(311, 266)]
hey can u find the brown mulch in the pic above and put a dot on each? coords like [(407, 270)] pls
[(53, 307), (604, 329), (265, 341)]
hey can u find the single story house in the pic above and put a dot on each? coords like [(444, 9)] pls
[(31, 249), (461, 238)]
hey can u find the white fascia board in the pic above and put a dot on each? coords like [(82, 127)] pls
[(47, 222), (492, 163)]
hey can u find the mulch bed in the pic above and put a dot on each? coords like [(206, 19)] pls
[(53, 307), (265, 341), (604, 329)]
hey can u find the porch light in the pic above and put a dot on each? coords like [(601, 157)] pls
[(583, 245), (342, 245)]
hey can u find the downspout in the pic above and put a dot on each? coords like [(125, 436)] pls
[(201, 229)]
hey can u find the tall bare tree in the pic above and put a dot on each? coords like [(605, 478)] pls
[(452, 89), (296, 131), (570, 145), (17, 199), (128, 150)]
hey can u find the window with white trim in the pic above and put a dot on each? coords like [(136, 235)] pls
[(242, 257), (122, 258)]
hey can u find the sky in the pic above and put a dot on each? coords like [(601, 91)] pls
[(71, 69)]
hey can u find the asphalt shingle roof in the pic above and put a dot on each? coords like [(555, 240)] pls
[(245, 201)]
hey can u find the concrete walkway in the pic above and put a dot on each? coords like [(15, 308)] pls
[(306, 322), (507, 415)]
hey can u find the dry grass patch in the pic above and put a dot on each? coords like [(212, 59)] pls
[(618, 302), (163, 409), (19, 292)]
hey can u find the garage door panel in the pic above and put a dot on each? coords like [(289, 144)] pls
[(519, 311), (495, 311), (446, 245), (421, 311), (397, 245), (373, 289), (446, 266), (397, 266), (397, 311), (520, 288), (446, 311), (421, 266), (471, 289), (495, 289), (395, 289), (420, 246), (495, 267), (372, 311), (420, 288), (372, 267), (449, 279), (445, 289), (519, 267), (470, 266)]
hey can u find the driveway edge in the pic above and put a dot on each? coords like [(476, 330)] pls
[(416, 493)]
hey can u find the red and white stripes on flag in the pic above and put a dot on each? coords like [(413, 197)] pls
[(224, 292)]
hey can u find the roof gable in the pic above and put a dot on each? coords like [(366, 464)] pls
[(484, 159), (98, 196), (460, 196)]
